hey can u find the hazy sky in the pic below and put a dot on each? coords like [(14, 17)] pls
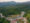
[(14, 0)]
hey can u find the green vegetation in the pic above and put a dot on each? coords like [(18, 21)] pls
[(11, 10), (2, 20)]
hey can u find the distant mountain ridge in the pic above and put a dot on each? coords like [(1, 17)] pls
[(7, 3), (12, 3)]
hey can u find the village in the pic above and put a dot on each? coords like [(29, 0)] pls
[(15, 18)]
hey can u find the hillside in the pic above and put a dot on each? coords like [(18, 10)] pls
[(9, 8)]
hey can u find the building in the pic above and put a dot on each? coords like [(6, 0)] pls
[(1, 15)]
